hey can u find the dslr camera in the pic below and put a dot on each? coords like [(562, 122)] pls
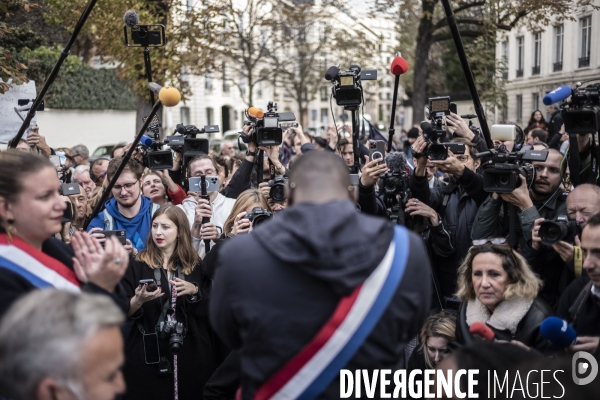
[(564, 229), (257, 216), (347, 87), (434, 131), (175, 332), (277, 191), (265, 125)]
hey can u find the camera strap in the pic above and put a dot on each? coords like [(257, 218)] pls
[(171, 317)]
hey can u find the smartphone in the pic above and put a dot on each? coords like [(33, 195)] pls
[(456, 148), (68, 213), (376, 150), (453, 108), (212, 184), (120, 234), (151, 284)]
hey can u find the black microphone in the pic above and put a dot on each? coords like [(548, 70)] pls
[(131, 18), (396, 161), (426, 127), (332, 73)]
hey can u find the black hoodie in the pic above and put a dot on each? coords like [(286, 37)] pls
[(277, 286)]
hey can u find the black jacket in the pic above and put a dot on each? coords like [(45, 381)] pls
[(277, 286), (588, 318), (527, 331), (553, 127), (13, 285), (199, 355)]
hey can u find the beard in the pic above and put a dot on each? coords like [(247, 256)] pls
[(129, 202)]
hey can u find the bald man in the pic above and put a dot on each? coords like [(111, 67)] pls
[(277, 288)]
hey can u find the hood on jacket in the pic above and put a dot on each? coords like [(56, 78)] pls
[(138, 227), (332, 242)]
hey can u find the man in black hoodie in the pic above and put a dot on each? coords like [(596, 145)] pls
[(276, 287)]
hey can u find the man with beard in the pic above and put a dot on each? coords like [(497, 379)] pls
[(544, 200), (128, 209)]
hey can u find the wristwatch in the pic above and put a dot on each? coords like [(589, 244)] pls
[(250, 153)]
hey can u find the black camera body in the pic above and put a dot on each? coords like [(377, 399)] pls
[(434, 131), (393, 183), (581, 115), (266, 130), (564, 229), (501, 174), (175, 331), (277, 191), (257, 216), (347, 88)]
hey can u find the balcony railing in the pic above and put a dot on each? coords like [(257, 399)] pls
[(519, 73), (584, 62), (535, 70), (557, 66)]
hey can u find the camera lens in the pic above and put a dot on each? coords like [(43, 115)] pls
[(259, 219), (552, 232), (277, 193)]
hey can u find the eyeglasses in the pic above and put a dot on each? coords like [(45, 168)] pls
[(462, 159), (480, 242), (127, 186)]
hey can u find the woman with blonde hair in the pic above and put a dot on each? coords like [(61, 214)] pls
[(498, 288), (436, 338), (168, 292)]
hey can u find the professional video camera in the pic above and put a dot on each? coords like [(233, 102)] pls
[(265, 125), (277, 191), (501, 173), (257, 216), (564, 229), (581, 114), (438, 108), (347, 88)]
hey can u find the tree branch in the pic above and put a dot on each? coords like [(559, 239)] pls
[(466, 6), (446, 36)]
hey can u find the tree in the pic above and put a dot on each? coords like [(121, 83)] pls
[(476, 19)]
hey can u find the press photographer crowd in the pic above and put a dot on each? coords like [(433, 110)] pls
[(446, 261)]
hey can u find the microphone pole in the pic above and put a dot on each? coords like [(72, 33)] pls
[(63, 55), (460, 50), (391, 130), (148, 71)]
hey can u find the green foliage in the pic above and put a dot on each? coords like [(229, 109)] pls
[(77, 86)]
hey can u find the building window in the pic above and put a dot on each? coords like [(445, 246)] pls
[(210, 116), (225, 79), (314, 114), (520, 55), (535, 101), (190, 6), (324, 117), (537, 53), (585, 25), (184, 115), (323, 92), (519, 108), (505, 52), (559, 37), (208, 85)]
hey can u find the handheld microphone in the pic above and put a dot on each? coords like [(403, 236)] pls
[(399, 65), (131, 18), (557, 95), (332, 72), (396, 161), (482, 330), (168, 96), (558, 332), (255, 112), (146, 141)]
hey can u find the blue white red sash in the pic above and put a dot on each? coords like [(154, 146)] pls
[(319, 362), (37, 267)]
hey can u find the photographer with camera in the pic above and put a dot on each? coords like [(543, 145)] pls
[(556, 263), (456, 203), (545, 199), (169, 291)]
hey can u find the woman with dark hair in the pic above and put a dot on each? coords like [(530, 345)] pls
[(498, 288), (537, 121), (177, 298)]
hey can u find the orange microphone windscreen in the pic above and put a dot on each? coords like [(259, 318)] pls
[(169, 96), (255, 112)]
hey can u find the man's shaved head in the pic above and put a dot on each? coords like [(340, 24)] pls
[(319, 177)]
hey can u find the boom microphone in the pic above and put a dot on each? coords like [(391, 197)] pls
[(168, 96), (557, 95), (426, 127), (399, 65), (558, 332), (332, 72), (396, 161), (255, 112), (482, 330), (131, 18)]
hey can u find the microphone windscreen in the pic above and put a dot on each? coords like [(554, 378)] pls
[(482, 330), (396, 161), (169, 96), (557, 95), (131, 18), (331, 73), (558, 332), (426, 127), (399, 66), (255, 112), (146, 141)]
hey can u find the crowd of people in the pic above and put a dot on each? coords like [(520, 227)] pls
[(238, 292)]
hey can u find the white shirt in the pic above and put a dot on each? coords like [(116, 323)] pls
[(221, 208)]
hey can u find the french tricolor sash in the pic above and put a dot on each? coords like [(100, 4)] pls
[(310, 372), (37, 267)]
